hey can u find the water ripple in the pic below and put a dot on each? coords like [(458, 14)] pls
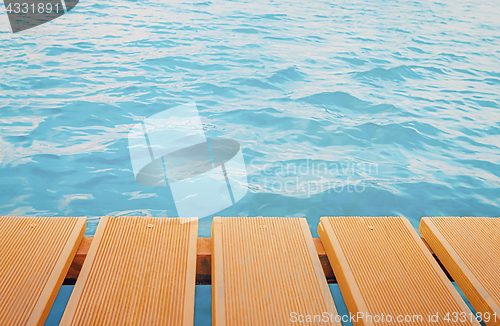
[(410, 91)]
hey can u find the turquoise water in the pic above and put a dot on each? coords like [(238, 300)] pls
[(352, 108)]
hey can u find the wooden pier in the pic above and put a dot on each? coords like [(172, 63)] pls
[(263, 270)]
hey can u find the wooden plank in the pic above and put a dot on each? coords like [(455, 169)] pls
[(204, 261), (469, 249), (266, 271), (36, 255), (138, 271), (384, 269)]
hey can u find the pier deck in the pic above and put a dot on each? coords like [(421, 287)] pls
[(143, 270)]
